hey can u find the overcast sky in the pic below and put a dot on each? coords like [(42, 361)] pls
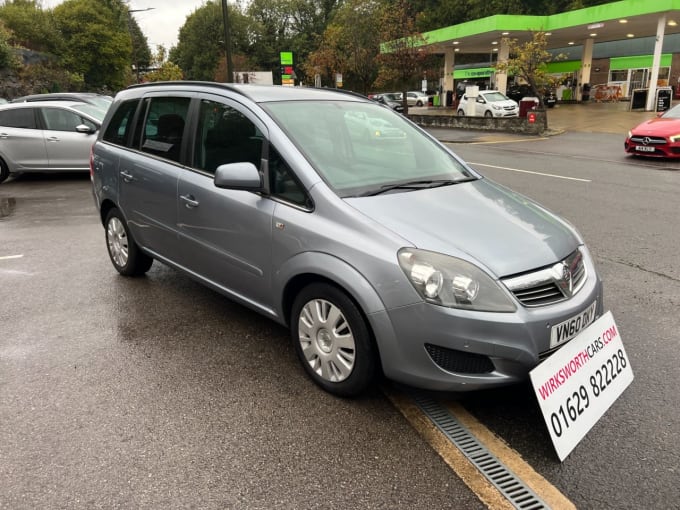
[(161, 24)]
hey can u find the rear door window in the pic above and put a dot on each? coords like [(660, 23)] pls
[(163, 130)]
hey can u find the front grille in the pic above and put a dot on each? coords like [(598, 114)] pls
[(550, 284), (460, 362), (648, 140)]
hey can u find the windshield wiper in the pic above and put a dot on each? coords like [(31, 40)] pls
[(414, 185)]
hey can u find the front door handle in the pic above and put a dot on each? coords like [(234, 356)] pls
[(189, 201), (127, 177)]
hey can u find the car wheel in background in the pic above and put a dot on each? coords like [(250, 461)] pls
[(125, 255), (332, 340), (461, 113), (419, 103), (4, 170)]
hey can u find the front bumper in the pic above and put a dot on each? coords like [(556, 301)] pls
[(446, 349)]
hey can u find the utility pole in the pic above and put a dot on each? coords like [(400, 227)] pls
[(227, 43)]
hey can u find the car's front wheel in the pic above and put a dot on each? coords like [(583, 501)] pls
[(332, 340), (488, 113), (461, 113), (124, 253)]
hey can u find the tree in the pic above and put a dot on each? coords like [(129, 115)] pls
[(141, 53), (403, 57), (527, 62), (97, 41), (349, 45), (200, 48), (8, 59), (164, 70), (31, 26)]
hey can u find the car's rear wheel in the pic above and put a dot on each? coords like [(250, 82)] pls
[(124, 253), (488, 114), (332, 340), (4, 170)]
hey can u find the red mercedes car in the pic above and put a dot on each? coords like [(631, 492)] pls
[(659, 137)]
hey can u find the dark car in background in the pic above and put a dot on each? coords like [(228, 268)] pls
[(391, 99), (99, 100)]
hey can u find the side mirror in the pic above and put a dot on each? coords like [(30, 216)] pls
[(243, 176), (82, 128)]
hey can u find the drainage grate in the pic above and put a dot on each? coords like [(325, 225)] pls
[(519, 495)]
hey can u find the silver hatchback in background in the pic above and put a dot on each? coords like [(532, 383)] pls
[(379, 248), (47, 136)]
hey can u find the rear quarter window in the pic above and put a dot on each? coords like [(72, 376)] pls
[(18, 118), (120, 126)]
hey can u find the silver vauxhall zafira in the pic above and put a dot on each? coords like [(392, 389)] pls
[(375, 244)]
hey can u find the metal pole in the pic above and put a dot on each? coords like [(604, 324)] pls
[(227, 43)]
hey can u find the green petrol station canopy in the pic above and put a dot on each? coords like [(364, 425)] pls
[(626, 19)]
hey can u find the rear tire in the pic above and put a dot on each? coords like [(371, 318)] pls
[(332, 340), (124, 253)]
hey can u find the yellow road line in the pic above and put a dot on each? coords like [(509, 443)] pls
[(468, 473)]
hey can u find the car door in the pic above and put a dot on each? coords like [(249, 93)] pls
[(67, 149), (22, 144), (226, 234), (148, 175), (480, 106)]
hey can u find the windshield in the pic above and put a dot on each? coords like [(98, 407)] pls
[(92, 110), (359, 148), (495, 96), (673, 113)]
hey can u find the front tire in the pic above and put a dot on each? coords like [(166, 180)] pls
[(488, 114), (461, 113), (124, 253), (332, 340)]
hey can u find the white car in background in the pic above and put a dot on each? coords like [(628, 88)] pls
[(490, 103), (416, 98)]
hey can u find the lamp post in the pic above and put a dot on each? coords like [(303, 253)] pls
[(130, 11), (227, 43)]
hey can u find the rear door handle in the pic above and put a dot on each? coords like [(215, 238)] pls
[(127, 177), (52, 139), (189, 201)]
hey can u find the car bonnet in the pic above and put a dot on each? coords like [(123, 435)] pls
[(479, 221)]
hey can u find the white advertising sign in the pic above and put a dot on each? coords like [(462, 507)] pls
[(577, 384)]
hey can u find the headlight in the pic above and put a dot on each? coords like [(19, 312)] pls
[(496, 107), (630, 133), (453, 282), (675, 138)]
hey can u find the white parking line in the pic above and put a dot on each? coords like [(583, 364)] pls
[(9, 257), (530, 172)]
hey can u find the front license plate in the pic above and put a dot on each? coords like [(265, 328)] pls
[(644, 148), (565, 331)]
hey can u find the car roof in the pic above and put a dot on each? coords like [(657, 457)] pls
[(259, 93), (58, 96), (32, 104)]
